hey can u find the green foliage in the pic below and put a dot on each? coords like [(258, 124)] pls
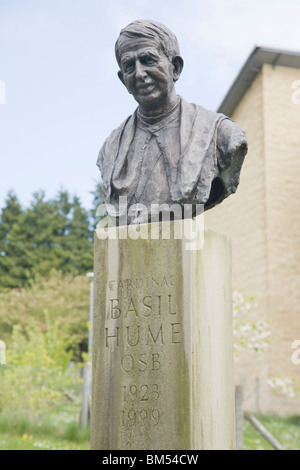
[(29, 442), (255, 336), (50, 234), (45, 252), (285, 429), (284, 386), (248, 334), (37, 377), (9, 217), (97, 200), (55, 430), (59, 299), (39, 348)]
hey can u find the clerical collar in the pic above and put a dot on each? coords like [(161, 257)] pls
[(157, 119)]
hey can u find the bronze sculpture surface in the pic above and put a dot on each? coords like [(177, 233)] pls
[(169, 151)]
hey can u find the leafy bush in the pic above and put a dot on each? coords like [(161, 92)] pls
[(62, 299), (37, 377)]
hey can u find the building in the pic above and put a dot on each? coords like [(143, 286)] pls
[(263, 218)]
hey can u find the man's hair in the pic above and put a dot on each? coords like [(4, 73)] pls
[(152, 30)]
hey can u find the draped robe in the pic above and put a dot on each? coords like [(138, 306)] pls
[(193, 156)]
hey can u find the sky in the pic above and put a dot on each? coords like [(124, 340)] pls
[(60, 96)]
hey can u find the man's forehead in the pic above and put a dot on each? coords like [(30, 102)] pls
[(140, 52), (131, 46)]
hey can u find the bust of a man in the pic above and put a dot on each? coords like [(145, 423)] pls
[(169, 151)]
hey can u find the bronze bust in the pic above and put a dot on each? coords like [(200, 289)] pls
[(169, 151)]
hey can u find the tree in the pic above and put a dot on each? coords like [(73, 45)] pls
[(50, 234), (35, 241), (77, 244), (97, 200), (10, 215)]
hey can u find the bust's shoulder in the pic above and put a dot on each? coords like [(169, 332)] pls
[(199, 113), (118, 131), (112, 142), (230, 135), (111, 145), (227, 130)]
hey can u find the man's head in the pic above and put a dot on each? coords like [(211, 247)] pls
[(149, 59), (150, 30)]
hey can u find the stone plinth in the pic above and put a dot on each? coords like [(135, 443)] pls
[(162, 343)]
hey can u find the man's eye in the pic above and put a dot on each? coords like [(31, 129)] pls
[(148, 60), (129, 67)]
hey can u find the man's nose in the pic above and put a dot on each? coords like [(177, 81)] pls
[(140, 72)]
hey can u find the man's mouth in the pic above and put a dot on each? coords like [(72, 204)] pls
[(145, 88)]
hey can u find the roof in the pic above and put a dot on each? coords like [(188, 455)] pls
[(253, 65)]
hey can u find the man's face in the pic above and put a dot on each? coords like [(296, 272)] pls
[(146, 72)]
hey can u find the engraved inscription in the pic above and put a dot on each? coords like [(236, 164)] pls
[(159, 281), (143, 326), (145, 306), (140, 418), (141, 393), (140, 334), (140, 364)]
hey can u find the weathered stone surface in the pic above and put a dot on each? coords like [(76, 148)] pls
[(162, 344)]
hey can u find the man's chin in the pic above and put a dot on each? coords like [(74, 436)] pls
[(149, 103)]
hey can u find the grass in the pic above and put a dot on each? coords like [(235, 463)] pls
[(286, 431), (28, 442), (55, 431), (60, 431)]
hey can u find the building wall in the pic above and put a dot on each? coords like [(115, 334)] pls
[(263, 221), (282, 154)]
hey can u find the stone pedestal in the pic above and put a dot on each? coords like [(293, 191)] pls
[(162, 342)]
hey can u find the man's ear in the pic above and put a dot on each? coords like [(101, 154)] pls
[(177, 62), (120, 75)]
